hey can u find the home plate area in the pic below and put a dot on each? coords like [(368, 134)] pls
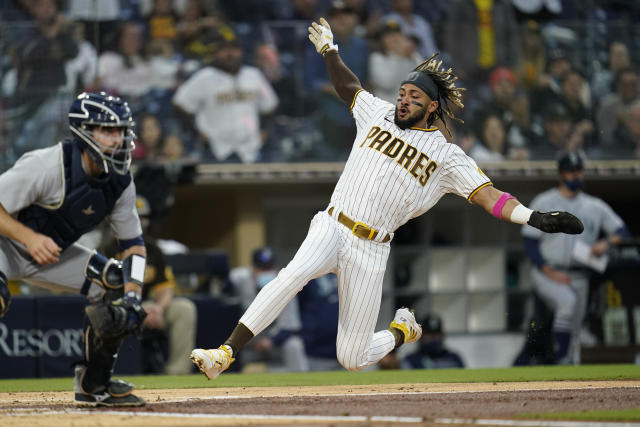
[(417, 404)]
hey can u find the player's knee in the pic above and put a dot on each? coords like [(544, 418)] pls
[(106, 272), (182, 308), (567, 306), (5, 295), (349, 362)]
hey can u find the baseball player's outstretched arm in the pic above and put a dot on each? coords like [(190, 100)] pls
[(504, 206), (344, 81)]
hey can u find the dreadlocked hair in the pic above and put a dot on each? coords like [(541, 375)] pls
[(447, 91)]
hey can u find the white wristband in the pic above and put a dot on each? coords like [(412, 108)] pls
[(521, 214)]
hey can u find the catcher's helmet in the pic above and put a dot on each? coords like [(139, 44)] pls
[(101, 109)]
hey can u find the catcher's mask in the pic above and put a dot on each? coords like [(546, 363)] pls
[(91, 110)]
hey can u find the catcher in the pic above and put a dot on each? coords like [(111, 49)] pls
[(51, 197)]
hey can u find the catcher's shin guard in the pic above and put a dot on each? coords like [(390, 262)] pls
[(93, 384)]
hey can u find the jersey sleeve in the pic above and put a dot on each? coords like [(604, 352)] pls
[(36, 178), (124, 217), (189, 95), (365, 107), (462, 176), (267, 99), (611, 222)]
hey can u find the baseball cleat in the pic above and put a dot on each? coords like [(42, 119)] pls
[(212, 362), (117, 393), (405, 321)]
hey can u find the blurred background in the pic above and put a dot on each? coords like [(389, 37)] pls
[(244, 162)]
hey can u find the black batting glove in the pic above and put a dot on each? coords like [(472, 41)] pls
[(556, 222)]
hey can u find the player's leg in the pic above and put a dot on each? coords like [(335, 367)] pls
[(87, 272), (580, 285), (361, 272), (562, 300), (316, 256), (180, 318)]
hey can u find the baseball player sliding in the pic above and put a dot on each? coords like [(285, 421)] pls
[(398, 168)]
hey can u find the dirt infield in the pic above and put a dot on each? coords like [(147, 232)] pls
[(416, 404)]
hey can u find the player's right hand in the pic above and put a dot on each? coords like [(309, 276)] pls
[(556, 222), (43, 249), (322, 37)]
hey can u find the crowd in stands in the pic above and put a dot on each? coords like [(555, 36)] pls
[(238, 81)]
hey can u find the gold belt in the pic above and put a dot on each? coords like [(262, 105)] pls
[(359, 229)]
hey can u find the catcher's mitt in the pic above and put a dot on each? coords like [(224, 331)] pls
[(556, 222), (116, 319)]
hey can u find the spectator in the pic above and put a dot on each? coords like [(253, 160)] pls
[(396, 58), (533, 58), (292, 39), (40, 56), (489, 146), (431, 353), (627, 135), (149, 141), (335, 120), (99, 18), (230, 103), (165, 66), (511, 106), (549, 85), (602, 82), (195, 31), (292, 102), (413, 25), (559, 134), (124, 68), (169, 317), (172, 148), (480, 36), (576, 97), (81, 71), (558, 277), (370, 13), (613, 107), (162, 22)]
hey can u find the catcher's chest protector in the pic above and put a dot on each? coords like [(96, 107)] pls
[(87, 201)]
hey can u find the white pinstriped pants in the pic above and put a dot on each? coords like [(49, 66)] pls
[(359, 264)]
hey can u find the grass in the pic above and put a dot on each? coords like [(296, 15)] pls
[(538, 373), (610, 415)]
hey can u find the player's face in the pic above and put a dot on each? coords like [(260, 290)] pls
[(413, 107), (108, 137)]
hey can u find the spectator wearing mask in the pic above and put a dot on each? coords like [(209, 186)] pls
[(432, 353)]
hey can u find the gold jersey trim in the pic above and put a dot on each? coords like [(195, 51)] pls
[(473, 193), (425, 130), (354, 101)]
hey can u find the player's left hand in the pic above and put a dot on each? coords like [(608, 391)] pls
[(556, 222), (322, 37)]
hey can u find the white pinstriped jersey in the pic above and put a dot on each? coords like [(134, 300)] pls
[(393, 175)]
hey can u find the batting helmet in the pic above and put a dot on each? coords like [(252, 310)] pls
[(91, 110)]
